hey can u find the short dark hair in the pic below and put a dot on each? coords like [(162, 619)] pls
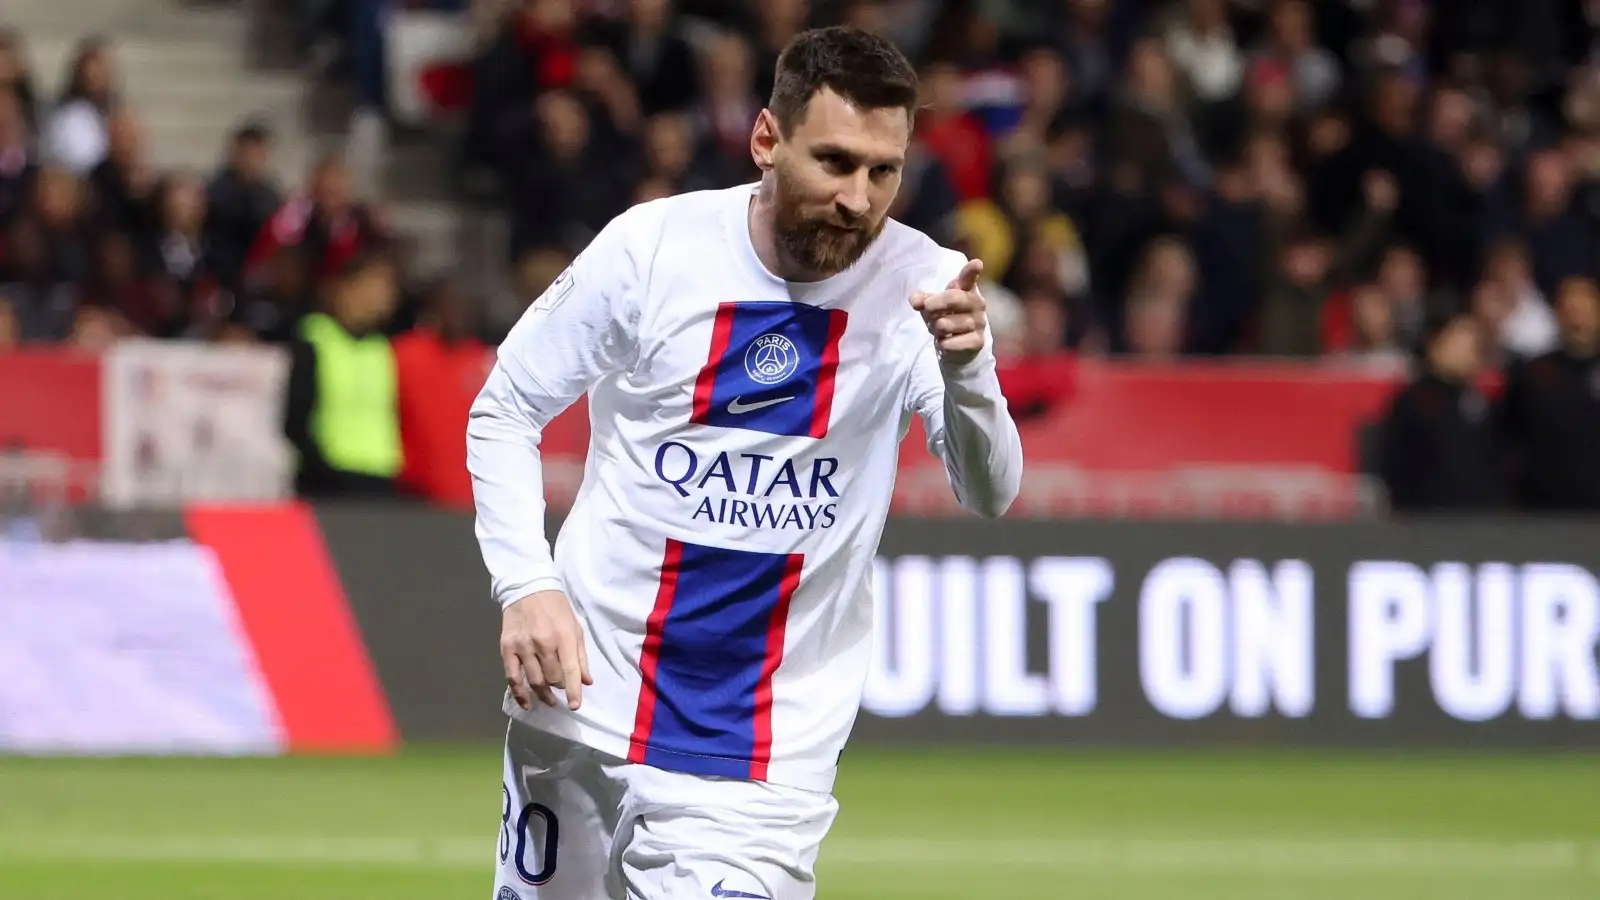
[(377, 255), (252, 132), (862, 67), (1441, 311)]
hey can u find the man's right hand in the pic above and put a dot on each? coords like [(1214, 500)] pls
[(541, 646)]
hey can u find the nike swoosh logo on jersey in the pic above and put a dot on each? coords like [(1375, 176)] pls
[(738, 408), (717, 890)]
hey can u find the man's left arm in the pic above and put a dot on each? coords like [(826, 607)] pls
[(955, 389)]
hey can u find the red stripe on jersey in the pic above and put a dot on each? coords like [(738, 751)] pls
[(721, 334), (650, 658), (822, 412), (777, 626)]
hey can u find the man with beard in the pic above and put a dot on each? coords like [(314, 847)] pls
[(752, 359)]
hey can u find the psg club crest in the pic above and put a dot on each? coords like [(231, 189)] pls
[(770, 368), (771, 359)]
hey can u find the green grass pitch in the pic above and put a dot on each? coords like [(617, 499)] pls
[(913, 826)]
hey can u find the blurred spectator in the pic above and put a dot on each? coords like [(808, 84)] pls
[(442, 364), (1270, 164), (10, 326), (1046, 102), (1307, 310), (57, 211), (776, 22), (118, 285), (728, 107), (1292, 45), (1518, 318), (271, 308), (177, 255), (43, 300), (1404, 280), (653, 55), (1396, 39), (1091, 50), (670, 156), (75, 134), (16, 160), (312, 20), (1046, 266), (1020, 213), (1264, 105), (329, 224), (1293, 308), (953, 135), (867, 15), (342, 413), (1039, 380), (1157, 304), (1438, 444), (1201, 45), (1149, 129), (612, 98), (1375, 342), (1069, 154), (241, 199), (123, 185), (363, 36), (1230, 244), (927, 200), (15, 79), (535, 51), (1561, 243), (94, 330), (566, 188), (1551, 410)]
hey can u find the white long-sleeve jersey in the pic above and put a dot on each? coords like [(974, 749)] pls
[(744, 434)]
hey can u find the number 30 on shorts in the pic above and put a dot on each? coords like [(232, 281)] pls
[(515, 837)]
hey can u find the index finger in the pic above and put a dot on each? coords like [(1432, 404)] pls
[(967, 278)]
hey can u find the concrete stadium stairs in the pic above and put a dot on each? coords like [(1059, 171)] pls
[(194, 70), (184, 70)]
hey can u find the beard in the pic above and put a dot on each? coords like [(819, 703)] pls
[(821, 244)]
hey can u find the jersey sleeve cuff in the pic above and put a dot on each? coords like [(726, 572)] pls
[(971, 372), (510, 595)]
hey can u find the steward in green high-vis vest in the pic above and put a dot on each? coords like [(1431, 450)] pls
[(343, 411)]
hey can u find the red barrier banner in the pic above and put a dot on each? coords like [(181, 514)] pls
[(1249, 439), (50, 418), (1121, 417), (1274, 439), (1197, 439)]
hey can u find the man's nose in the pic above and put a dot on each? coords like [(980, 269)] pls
[(852, 197)]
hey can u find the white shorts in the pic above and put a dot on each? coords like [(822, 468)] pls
[(578, 824)]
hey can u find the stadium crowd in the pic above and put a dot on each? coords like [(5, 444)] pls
[(1201, 177), (1361, 180)]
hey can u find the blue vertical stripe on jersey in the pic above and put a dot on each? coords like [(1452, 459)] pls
[(714, 641), (770, 368)]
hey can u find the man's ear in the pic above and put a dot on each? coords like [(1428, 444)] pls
[(764, 139)]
